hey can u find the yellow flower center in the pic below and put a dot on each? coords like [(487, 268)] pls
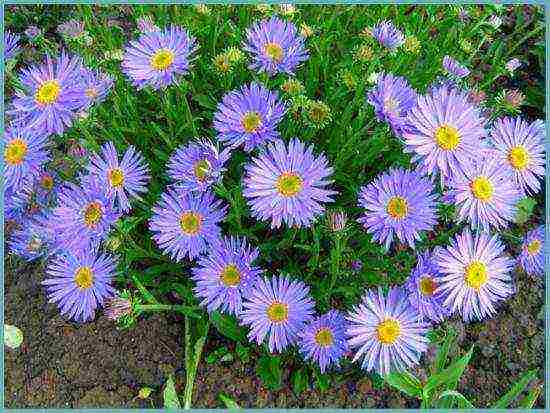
[(251, 121), (427, 286), (447, 137), (390, 104), (91, 93), (397, 207), (318, 112), (534, 247), (518, 157), (388, 331), (92, 214), (476, 275), (46, 181), (15, 152), (482, 188), (289, 184), (116, 177), (274, 51), (162, 59), (323, 337), (277, 312), (84, 278), (34, 244), (48, 92), (230, 275), (201, 169), (190, 223)]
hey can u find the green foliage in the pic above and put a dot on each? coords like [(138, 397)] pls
[(228, 401), (229, 327), (300, 380), (270, 371), (170, 396), (514, 391), (524, 210)]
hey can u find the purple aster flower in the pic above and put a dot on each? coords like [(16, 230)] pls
[(324, 341), (25, 150), (387, 332), (123, 180), (226, 275), (54, 93), (71, 28), (531, 258), (512, 65), (392, 98), (185, 223), (11, 45), (446, 130), (84, 214), (45, 188), (198, 165), (520, 145), (287, 184), (80, 282), (249, 115), (157, 58), (356, 265), (96, 85), (16, 203), (452, 67), (485, 193), (275, 46), (398, 202), (421, 289), (388, 35), (32, 32), (476, 274), (277, 309), (145, 24), (33, 239)]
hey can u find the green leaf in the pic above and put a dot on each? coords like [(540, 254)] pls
[(13, 337), (322, 381), (443, 352), (405, 382), (514, 391), (300, 380), (270, 372), (228, 401), (524, 210), (529, 401), (461, 401), (171, 400), (144, 392), (228, 326), (449, 376)]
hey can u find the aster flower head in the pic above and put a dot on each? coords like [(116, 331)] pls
[(445, 130), (79, 282), (277, 310), (84, 214), (226, 275), (275, 46), (46, 187), (16, 202), (249, 116), (476, 274), (54, 93), (186, 223), (485, 193), (531, 258), (11, 45), (388, 35), (287, 183), (337, 220), (145, 24), (324, 341), (158, 58), (392, 98), (421, 289), (454, 68), (32, 32), (122, 179), (25, 151), (97, 85), (33, 239), (398, 203), (386, 331), (198, 166), (71, 28), (512, 65), (520, 146)]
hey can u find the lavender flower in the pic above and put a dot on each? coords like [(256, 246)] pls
[(145, 24), (323, 340), (71, 28), (277, 310), (392, 99), (287, 184), (531, 258), (32, 32), (520, 145), (250, 116), (33, 239), (80, 282), (123, 180), (386, 331), (45, 188), (400, 203), (388, 35), (476, 274), (452, 67), (97, 86), (16, 203), (226, 275), (275, 46), (512, 65), (157, 58), (11, 45), (186, 223)]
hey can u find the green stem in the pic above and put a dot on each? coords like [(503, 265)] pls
[(187, 310), (192, 359), (336, 255)]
